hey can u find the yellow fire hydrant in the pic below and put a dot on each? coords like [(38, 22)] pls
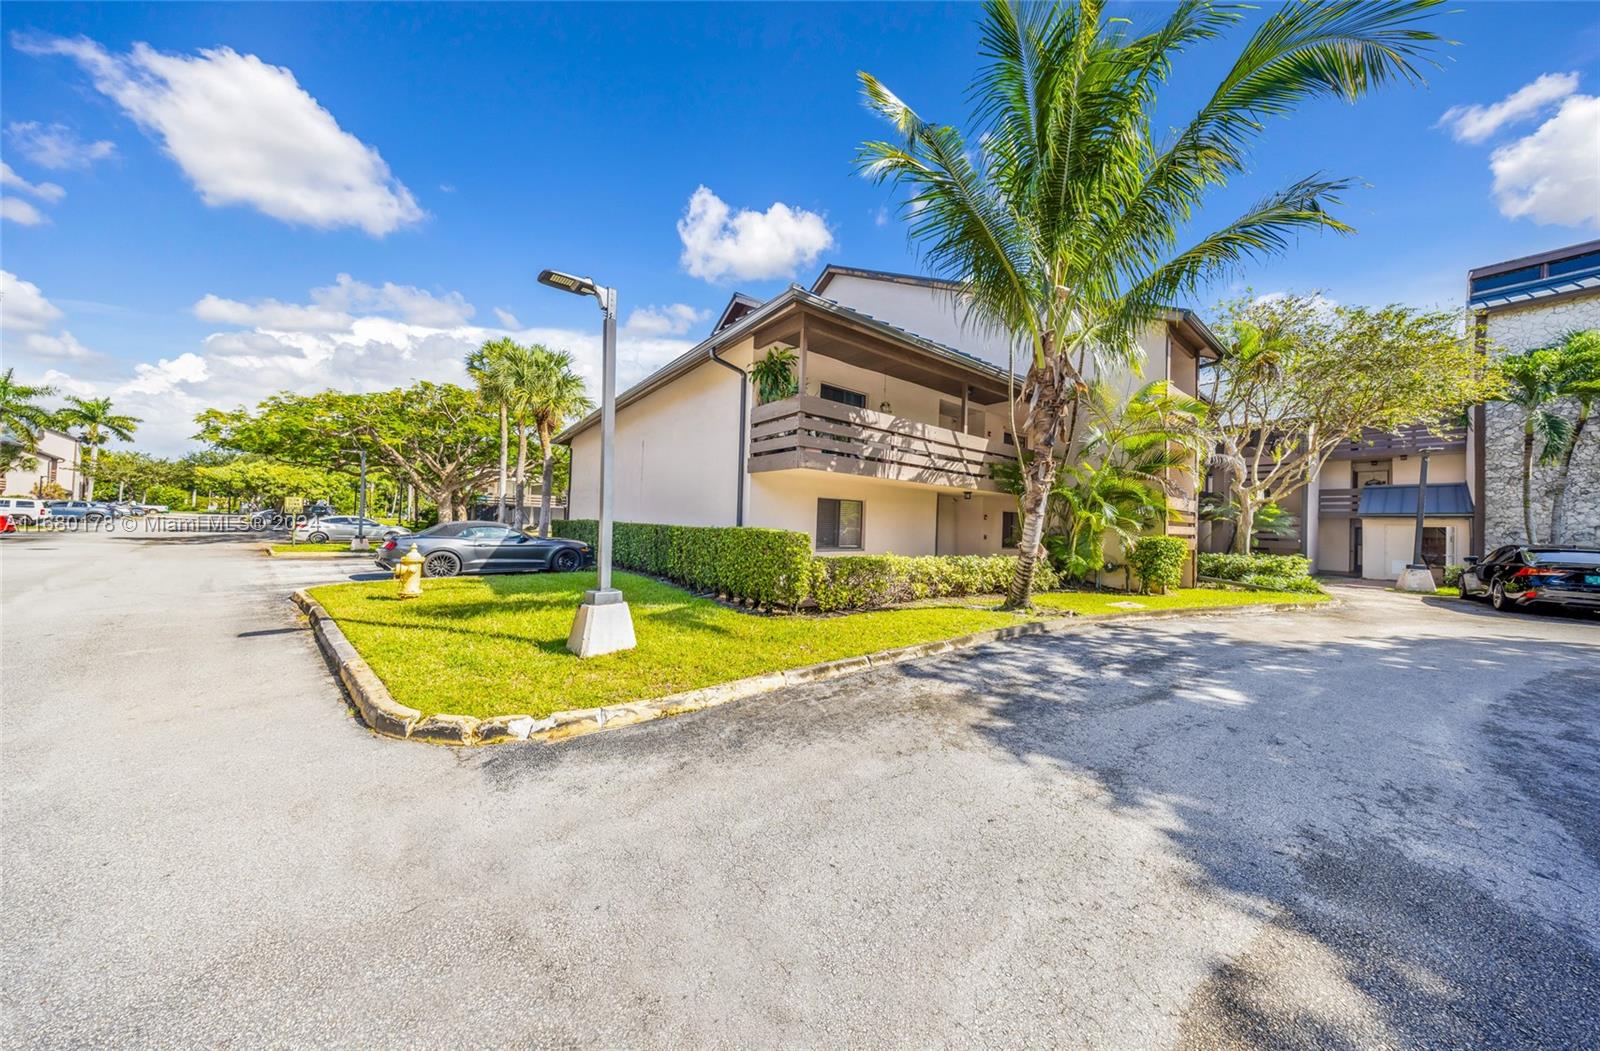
[(409, 573)]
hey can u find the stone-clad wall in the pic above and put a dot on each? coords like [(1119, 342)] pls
[(1511, 332)]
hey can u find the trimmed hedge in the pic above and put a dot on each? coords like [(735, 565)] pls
[(1278, 572), (1158, 561), (869, 581), (770, 567), (775, 567)]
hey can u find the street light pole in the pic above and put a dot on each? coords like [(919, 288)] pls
[(360, 541), (604, 623), (1417, 576)]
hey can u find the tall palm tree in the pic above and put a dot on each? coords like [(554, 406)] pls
[(1578, 378), (487, 366), (1061, 224), (1531, 383), (522, 374), (558, 396), (21, 417), (99, 425)]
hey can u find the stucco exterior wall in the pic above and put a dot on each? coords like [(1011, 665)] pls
[(931, 313), (895, 519), (21, 482), (1387, 544), (1513, 331), (676, 456)]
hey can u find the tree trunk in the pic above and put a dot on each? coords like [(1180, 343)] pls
[(1030, 547), (500, 482), (517, 515), (1245, 528), (1558, 493), (546, 478), (1527, 479), (1048, 392), (88, 489)]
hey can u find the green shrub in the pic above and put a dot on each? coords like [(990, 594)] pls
[(1452, 576), (1304, 585), (775, 567), (1238, 567), (770, 567), (1158, 561)]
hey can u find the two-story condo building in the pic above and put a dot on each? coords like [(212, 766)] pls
[(902, 409), (55, 459)]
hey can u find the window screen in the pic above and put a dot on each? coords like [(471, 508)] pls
[(1010, 530), (839, 524), (842, 396)]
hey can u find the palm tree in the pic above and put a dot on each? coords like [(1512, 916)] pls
[(1532, 380), (1061, 225), (487, 366), (1578, 378), (773, 374), (522, 375), (20, 417), (557, 397), (100, 424)]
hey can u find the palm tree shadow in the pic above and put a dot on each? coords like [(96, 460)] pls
[(1255, 757)]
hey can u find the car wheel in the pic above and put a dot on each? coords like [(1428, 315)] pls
[(316, 538), (565, 561), (441, 564), (95, 519), (1497, 597)]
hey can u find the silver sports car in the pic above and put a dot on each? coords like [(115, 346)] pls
[(451, 548)]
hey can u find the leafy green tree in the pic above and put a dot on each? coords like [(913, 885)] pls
[(1061, 223), (98, 423), (267, 482), (430, 435), (1300, 378), (1533, 384), (1578, 378), (557, 396)]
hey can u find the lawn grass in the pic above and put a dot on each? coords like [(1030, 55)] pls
[(1092, 603), (291, 549), (496, 645), (1446, 592)]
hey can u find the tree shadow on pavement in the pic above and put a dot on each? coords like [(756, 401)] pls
[(1360, 821)]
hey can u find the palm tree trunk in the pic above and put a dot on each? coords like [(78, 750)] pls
[(546, 478), (1527, 479), (1558, 493), (522, 473), (1037, 477), (500, 482), (94, 456)]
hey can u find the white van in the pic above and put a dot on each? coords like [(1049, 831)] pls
[(24, 510)]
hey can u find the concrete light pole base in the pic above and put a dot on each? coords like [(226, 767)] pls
[(360, 544), (1416, 578), (603, 625)]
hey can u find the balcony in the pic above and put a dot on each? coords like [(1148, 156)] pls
[(1338, 503), (1407, 441), (821, 435)]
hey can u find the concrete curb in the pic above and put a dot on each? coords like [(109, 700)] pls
[(385, 715), (266, 549)]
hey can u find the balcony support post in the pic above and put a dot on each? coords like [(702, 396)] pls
[(801, 378)]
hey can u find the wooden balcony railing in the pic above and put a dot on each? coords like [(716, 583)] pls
[(815, 433), (1183, 515), (1408, 441), (1338, 503)]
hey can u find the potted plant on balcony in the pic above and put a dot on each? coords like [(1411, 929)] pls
[(773, 375)]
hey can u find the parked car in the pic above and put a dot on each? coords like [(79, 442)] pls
[(1515, 575), (7, 525), (24, 510), (153, 509), (344, 527), (451, 548), (87, 510)]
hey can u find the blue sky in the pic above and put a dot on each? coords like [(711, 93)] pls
[(177, 217)]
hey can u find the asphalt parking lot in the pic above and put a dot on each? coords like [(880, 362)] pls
[(1373, 826)]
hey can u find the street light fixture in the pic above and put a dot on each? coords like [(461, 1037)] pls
[(603, 623)]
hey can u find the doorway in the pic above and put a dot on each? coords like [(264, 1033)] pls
[(1355, 547), (944, 535)]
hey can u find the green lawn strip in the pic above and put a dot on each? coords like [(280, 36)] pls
[(1435, 593), (496, 645), (1092, 603)]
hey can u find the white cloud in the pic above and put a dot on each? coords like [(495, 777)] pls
[(410, 303), (23, 308), (246, 132), (19, 211), (270, 313), (881, 217), (45, 191), (28, 322), (57, 147), (166, 375), (673, 320), (507, 318), (1475, 123), (720, 244), (1553, 175)]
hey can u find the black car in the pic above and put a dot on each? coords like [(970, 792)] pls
[(1515, 575), (484, 547)]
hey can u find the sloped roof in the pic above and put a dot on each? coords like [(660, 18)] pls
[(1450, 500)]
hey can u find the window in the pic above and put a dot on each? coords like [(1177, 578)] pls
[(1010, 529), (842, 396), (1433, 546), (839, 524)]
